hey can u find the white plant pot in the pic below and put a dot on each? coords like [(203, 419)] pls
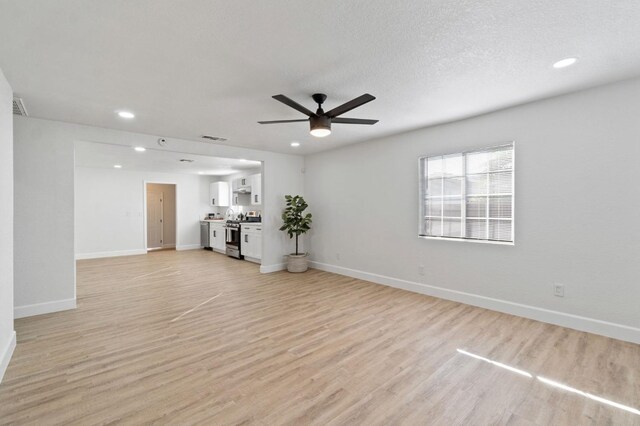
[(297, 263)]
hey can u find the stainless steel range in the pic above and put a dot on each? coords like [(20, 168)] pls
[(233, 239)]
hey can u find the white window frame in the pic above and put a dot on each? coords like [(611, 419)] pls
[(422, 191)]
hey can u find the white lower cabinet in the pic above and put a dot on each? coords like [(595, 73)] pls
[(217, 237), (251, 243)]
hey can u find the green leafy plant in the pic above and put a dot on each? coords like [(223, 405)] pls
[(295, 221)]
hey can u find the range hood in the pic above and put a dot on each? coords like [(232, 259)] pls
[(241, 185)]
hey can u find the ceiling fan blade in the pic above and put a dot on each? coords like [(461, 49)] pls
[(354, 103), (293, 104), (353, 121), (283, 121)]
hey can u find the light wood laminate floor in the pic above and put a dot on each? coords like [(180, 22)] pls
[(195, 337)]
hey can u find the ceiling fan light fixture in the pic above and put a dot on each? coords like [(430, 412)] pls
[(320, 126), (320, 133)]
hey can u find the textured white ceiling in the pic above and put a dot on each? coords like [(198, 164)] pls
[(102, 155), (188, 68)]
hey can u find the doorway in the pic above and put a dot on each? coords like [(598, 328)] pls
[(160, 216)]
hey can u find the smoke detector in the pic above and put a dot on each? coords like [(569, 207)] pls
[(214, 138), (18, 107)]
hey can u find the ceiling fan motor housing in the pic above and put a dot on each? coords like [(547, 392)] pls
[(320, 122)]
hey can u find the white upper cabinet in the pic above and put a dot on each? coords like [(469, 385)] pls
[(219, 194), (256, 189)]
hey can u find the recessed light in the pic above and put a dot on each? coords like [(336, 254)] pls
[(244, 160), (117, 166), (566, 62), (200, 173), (140, 148), (294, 144), (126, 114)]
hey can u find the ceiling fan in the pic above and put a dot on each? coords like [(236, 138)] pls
[(320, 121)]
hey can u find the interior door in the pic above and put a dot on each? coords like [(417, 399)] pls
[(154, 219)]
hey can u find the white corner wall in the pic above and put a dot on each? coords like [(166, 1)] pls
[(44, 204), (576, 212), (43, 225), (7, 335), (109, 210)]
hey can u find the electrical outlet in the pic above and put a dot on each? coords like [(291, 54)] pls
[(558, 290), (421, 269)]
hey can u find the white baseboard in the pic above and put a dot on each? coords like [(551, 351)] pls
[(43, 308), (189, 247), (100, 254), (590, 325), (266, 269), (5, 355)]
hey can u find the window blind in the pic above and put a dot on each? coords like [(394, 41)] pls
[(468, 195)]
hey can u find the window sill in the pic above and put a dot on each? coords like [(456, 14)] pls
[(468, 240)]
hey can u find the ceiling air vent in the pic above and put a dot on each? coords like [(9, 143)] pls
[(214, 138), (18, 107), (186, 160)]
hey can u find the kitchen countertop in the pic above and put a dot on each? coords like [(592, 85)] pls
[(225, 221)]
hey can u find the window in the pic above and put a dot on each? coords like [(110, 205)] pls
[(468, 196)]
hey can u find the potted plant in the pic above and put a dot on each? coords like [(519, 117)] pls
[(296, 223)]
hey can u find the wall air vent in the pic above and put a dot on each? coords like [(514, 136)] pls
[(18, 107), (214, 138)]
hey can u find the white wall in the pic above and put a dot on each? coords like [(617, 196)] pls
[(109, 213), (44, 188), (576, 212), (7, 335), (44, 263)]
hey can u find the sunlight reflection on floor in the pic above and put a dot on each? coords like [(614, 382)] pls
[(552, 383)]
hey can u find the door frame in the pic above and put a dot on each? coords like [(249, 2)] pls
[(144, 209)]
